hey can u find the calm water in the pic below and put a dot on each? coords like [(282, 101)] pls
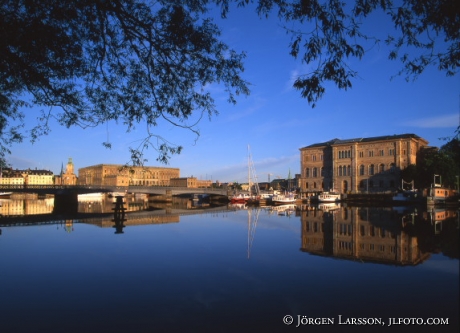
[(237, 270)]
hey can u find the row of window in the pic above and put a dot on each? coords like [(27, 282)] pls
[(364, 184), (345, 170), (370, 153)]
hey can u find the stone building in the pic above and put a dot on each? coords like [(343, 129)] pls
[(358, 165), (184, 182), (121, 175), (191, 182), (68, 177)]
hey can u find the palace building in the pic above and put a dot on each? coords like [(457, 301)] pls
[(121, 175), (358, 165)]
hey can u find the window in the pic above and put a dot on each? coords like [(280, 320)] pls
[(371, 169), (361, 154), (315, 172), (391, 151), (371, 153), (381, 168), (381, 152), (361, 170), (307, 172), (349, 170), (340, 170)]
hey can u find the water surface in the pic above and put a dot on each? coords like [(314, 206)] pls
[(237, 270)]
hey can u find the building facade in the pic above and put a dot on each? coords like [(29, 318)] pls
[(68, 177), (191, 182), (38, 177), (121, 175), (358, 165)]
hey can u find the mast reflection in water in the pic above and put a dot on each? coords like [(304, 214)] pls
[(180, 268)]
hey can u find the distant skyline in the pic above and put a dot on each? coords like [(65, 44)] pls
[(274, 120)]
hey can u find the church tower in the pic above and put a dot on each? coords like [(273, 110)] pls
[(69, 168)]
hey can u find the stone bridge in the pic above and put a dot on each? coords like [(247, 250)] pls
[(83, 189)]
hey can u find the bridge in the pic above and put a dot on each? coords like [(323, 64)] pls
[(66, 196), (84, 189)]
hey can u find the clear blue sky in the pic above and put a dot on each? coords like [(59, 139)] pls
[(274, 120)]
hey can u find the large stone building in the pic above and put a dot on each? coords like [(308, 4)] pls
[(120, 175), (191, 182), (358, 165)]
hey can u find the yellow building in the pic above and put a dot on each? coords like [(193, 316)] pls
[(120, 175), (358, 165), (38, 177), (12, 179)]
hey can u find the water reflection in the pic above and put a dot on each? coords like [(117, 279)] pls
[(19, 207), (185, 270), (400, 236)]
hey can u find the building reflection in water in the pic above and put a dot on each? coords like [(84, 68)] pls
[(381, 235), (18, 207)]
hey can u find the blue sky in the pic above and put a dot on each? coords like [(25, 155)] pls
[(273, 120)]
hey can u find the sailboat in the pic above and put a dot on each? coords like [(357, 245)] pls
[(253, 186)]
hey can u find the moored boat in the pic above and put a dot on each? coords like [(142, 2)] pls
[(329, 197), (406, 196), (283, 199), (240, 198)]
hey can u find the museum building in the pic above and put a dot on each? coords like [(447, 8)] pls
[(358, 165)]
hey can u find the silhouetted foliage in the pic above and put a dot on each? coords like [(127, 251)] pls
[(85, 62), (89, 61), (326, 34), (444, 162)]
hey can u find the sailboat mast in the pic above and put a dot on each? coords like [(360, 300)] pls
[(249, 170)]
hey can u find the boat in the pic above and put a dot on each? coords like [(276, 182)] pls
[(438, 194), (283, 199), (240, 198), (406, 196), (5, 194), (329, 197), (253, 197)]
